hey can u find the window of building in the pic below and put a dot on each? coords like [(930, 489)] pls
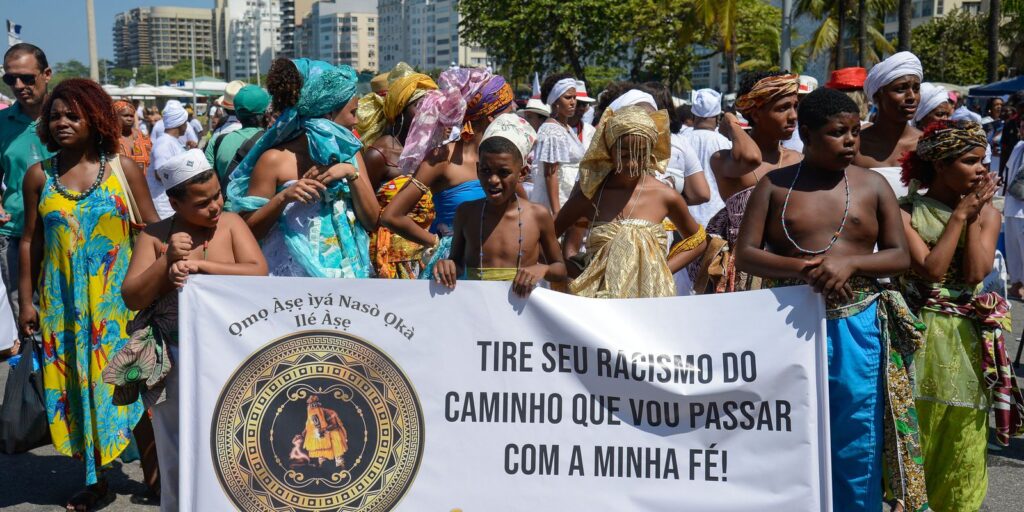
[(971, 7)]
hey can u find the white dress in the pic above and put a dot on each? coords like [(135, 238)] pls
[(555, 144)]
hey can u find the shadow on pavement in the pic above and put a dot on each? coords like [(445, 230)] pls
[(50, 479)]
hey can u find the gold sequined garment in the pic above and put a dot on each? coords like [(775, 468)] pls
[(628, 262), (491, 274)]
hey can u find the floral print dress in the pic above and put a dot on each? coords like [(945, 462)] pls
[(83, 319)]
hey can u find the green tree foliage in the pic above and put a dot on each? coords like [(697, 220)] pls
[(544, 34), (952, 48), (828, 37), (1011, 33), (70, 69)]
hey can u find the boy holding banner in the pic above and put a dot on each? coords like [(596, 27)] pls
[(517, 231), (821, 221), (200, 238)]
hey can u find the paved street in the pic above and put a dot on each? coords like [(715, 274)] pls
[(43, 480)]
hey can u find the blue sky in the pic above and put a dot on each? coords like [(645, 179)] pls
[(58, 26)]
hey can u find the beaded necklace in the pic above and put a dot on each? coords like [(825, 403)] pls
[(842, 224), (519, 211), (69, 194)]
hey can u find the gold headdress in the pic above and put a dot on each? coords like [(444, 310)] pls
[(404, 85), (653, 131)]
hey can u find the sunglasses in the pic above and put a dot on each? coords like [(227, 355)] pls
[(11, 79)]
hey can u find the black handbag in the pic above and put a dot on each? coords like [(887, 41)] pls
[(23, 419)]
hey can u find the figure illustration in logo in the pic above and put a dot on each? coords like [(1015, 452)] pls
[(298, 457), (325, 437)]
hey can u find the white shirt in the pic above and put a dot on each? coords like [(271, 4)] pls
[(682, 164), (706, 143), (196, 125), (794, 142), (229, 126), (1014, 207), (164, 149), (190, 133)]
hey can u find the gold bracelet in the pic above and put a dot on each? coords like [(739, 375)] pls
[(689, 243), (419, 184), (351, 178)]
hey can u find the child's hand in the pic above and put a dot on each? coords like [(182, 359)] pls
[(527, 278), (180, 270), (179, 246), (445, 273), (829, 274)]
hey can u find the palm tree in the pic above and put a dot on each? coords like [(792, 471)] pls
[(831, 34), (906, 11), (862, 33), (993, 39), (719, 16)]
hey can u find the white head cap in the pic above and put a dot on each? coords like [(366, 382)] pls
[(174, 114), (559, 89), (931, 97), (889, 70), (707, 103), (633, 97), (516, 130), (181, 167)]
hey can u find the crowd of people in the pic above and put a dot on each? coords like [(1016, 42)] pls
[(873, 189)]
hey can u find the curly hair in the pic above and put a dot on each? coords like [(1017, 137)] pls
[(284, 82), (549, 83), (91, 102), (610, 93), (817, 107)]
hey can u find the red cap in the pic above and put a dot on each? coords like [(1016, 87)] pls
[(847, 78)]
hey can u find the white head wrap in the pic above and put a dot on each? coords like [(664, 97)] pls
[(931, 97), (181, 167), (559, 89), (887, 71), (174, 114), (707, 103), (965, 114), (633, 97), (516, 130)]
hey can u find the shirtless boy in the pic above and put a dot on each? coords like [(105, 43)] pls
[(502, 237), (820, 222), (199, 239)]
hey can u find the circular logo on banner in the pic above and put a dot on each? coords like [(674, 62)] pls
[(317, 420)]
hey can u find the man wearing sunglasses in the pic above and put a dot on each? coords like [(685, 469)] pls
[(26, 73)]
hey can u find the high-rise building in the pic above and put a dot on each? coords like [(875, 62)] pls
[(924, 10), (292, 14), (163, 36), (425, 34), (248, 36), (340, 32)]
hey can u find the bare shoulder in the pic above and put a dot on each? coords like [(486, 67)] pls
[(158, 230), (782, 177), (34, 177), (231, 219), (991, 215), (536, 211), (439, 155)]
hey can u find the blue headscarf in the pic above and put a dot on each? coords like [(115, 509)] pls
[(336, 245)]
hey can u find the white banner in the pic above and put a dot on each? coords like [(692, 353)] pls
[(317, 394)]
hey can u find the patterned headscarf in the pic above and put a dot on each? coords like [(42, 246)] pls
[(375, 112), (119, 104), (949, 139), (464, 95), (652, 129), (328, 91), (766, 90)]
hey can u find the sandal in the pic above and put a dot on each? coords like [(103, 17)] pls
[(93, 497), (150, 497)]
